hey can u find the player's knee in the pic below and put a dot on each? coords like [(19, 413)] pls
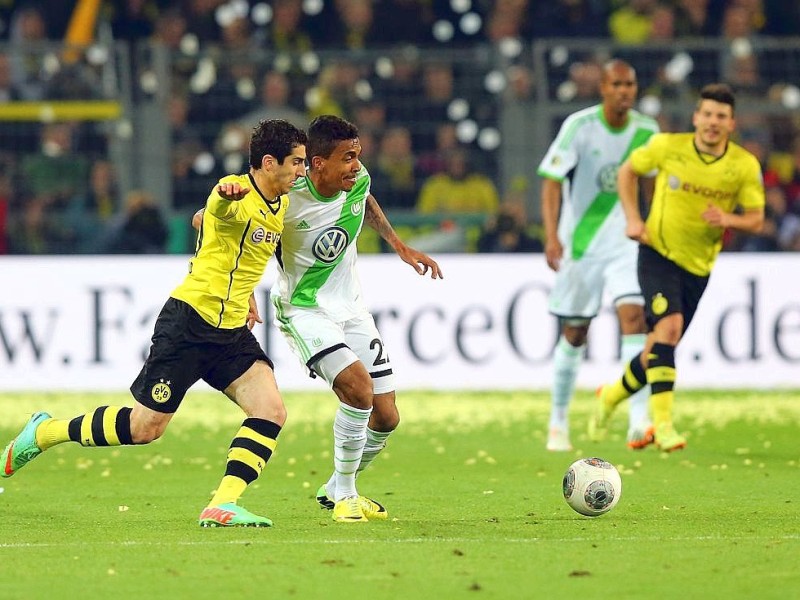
[(384, 420)]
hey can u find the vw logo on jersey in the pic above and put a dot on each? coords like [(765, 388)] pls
[(258, 235), (607, 178), (330, 244), (356, 208)]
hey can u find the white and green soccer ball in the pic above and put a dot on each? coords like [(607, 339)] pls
[(592, 486)]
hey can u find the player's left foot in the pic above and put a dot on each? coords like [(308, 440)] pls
[(324, 499), (558, 440), (641, 437), (22, 449), (348, 510), (230, 514)]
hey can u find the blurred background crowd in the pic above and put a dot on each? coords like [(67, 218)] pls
[(117, 117)]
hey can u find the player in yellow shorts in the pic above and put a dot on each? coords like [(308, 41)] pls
[(705, 184), (203, 332)]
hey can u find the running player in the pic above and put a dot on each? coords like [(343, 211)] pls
[(320, 309), (705, 184), (585, 241), (203, 333)]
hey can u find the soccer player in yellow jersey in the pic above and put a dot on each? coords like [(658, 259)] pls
[(705, 184), (203, 332)]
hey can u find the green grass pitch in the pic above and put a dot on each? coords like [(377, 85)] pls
[(474, 501)]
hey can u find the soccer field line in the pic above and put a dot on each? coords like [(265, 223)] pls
[(425, 540)]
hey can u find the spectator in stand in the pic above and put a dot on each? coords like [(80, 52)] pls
[(88, 213), (27, 31), (140, 229), (697, 18), (569, 18), (458, 189), (632, 22), (434, 160), (201, 19), (132, 20), (285, 31), (394, 171), (508, 19), (507, 230)]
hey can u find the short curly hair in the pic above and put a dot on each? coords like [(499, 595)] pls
[(326, 132), (275, 137)]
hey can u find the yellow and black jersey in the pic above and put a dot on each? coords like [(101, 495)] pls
[(687, 182), (234, 243)]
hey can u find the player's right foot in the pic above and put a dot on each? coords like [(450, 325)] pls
[(374, 511), (667, 439), (641, 437), (558, 440), (22, 449), (230, 514), (348, 510), (598, 421)]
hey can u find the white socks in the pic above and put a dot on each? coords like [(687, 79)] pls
[(376, 441), (567, 361), (349, 439)]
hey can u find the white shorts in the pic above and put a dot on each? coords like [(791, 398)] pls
[(327, 348), (579, 285)]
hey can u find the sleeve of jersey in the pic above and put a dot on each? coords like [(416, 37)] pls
[(225, 210), (648, 157), (561, 157), (751, 194)]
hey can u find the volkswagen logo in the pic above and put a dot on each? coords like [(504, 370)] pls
[(330, 244)]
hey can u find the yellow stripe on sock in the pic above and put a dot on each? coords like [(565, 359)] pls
[(248, 433), (247, 457), (110, 426), (660, 374), (52, 432), (230, 490), (86, 430)]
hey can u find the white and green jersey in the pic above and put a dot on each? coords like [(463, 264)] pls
[(585, 157), (317, 252)]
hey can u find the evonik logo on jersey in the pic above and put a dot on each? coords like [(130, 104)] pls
[(330, 244)]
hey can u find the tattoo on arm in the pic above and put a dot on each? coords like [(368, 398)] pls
[(377, 220)]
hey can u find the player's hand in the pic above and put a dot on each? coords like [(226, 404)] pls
[(421, 262), (637, 230), (553, 253), (232, 191), (715, 216), (252, 315)]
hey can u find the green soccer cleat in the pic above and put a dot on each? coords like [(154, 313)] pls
[(323, 498), (667, 439), (598, 422), (374, 511), (23, 449), (348, 510), (231, 515)]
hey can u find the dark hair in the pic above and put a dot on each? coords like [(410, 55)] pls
[(325, 133), (719, 92), (275, 137)]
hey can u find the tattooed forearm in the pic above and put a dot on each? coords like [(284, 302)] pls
[(377, 220)]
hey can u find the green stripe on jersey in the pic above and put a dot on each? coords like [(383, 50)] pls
[(305, 294), (598, 211)]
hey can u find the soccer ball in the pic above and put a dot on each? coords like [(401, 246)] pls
[(592, 486)]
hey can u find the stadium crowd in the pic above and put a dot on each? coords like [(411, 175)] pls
[(406, 72)]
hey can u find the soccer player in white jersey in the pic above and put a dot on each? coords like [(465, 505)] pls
[(320, 309), (585, 242)]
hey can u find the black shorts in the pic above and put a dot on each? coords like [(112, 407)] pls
[(185, 349), (668, 288)]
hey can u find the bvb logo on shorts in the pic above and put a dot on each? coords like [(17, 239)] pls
[(161, 392), (659, 304)]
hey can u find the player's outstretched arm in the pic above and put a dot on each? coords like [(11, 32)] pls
[(628, 190), (421, 262)]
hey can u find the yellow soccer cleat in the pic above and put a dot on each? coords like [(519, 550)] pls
[(374, 511), (348, 510), (667, 439)]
